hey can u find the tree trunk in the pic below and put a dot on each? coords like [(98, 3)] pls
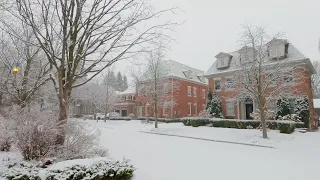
[(263, 119), (156, 115)]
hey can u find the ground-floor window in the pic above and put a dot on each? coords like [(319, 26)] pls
[(195, 109), (230, 108), (189, 109), (165, 111)]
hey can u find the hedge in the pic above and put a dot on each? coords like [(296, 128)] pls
[(163, 120), (99, 170), (284, 126)]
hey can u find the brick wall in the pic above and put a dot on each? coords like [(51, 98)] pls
[(180, 96), (302, 86)]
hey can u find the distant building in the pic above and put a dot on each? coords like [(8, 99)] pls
[(125, 104), (185, 93)]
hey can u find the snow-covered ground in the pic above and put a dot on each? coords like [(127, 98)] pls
[(159, 157), (173, 158)]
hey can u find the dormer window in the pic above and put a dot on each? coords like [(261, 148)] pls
[(201, 78), (246, 54), (188, 74), (278, 49), (223, 60)]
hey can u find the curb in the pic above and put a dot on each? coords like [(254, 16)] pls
[(212, 140)]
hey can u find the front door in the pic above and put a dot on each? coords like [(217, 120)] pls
[(249, 110), (124, 113)]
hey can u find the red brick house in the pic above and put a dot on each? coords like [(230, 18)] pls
[(185, 90), (125, 104), (235, 104)]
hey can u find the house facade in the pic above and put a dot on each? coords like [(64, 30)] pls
[(292, 80), (125, 104), (184, 90)]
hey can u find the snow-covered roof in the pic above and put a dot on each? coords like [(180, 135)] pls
[(293, 56), (316, 103), (176, 69), (130, 90)]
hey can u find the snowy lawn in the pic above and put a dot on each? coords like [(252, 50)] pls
[(173, 158), (158, 157)]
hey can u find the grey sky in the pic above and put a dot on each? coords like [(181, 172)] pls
[(212, 26)]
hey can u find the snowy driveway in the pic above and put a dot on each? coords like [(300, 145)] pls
[(173, 158)]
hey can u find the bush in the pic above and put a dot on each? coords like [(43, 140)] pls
[(74, 169), (286, 128), (128, 118), (35, 131), (81, 141), (283, 126), (6, 134)]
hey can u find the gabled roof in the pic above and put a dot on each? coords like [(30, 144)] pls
[(180, 71), (222, 54), (176, 69), (293, 56), (130, 90)]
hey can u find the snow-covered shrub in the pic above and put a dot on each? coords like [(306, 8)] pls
[(283, 107), (268, 115), (291, 117), (242, 124), (35, 131), (6, 134), (216, 108), (205, 114), (302, 108), (103, 169), (81, 141), (286, 128), (72, 169)]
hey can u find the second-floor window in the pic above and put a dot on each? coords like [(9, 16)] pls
[(217, 84), (203, 93), (165, 88), (230, 84), (194, 92), (189, 90), (288, 77)]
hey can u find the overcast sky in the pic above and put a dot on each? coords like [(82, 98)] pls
[(213, 26)]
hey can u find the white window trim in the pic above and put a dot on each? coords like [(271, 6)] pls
[(234, 84), (164, 111), (189, 106), (220, 85), (189, 87), (194, 92), (195, 106), (203, 93), (283, 77), (232, 114)]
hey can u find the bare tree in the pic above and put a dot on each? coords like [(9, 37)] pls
[(101, 95), (154, 86), (261, 71), (315, 80), (87, 36), (18, 52)]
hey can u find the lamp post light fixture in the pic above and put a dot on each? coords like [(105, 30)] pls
[(15, 70)]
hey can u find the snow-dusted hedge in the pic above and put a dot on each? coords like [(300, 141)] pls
[(127, 118), (164, 120), (99, 168), (284, 126)]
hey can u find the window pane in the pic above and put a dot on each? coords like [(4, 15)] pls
[(230, 109), (217, 85), (230, 83)]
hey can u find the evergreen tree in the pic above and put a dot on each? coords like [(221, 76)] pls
[(125, 83), (216, 108), (209, 99), (302, 109), (283, 107), (110, 79), (119, 82)]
